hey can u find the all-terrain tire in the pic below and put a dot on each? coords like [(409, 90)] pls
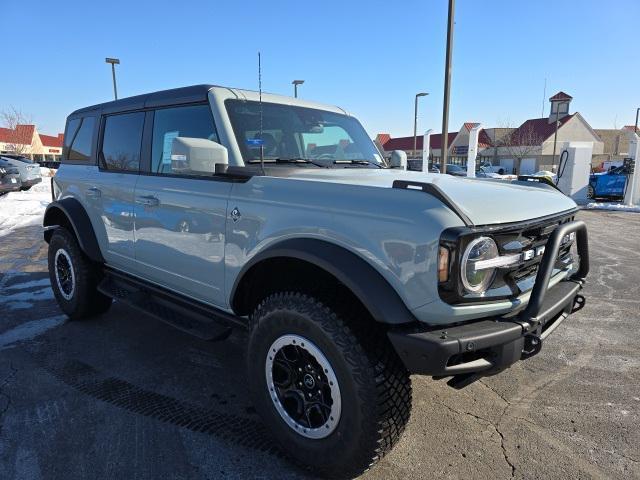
[(78, 297), (374, 385)]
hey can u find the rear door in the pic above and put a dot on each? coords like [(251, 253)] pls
[(180, 218), (111, 193)]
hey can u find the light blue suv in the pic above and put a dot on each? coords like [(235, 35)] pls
[(214, 208)]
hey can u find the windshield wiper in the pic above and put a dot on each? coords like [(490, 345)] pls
[(357, 162), (288, 160)]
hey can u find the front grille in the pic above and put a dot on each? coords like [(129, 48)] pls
[(532, 238)]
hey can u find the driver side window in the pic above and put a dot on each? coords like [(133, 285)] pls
[(194, 121)]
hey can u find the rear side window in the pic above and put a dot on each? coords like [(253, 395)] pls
[(193, 121), (121, 142), (79, 149)]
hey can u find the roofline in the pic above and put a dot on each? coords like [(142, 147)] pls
[(192, 94)]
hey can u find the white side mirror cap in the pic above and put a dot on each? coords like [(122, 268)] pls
[(197, 155), (398, 159)]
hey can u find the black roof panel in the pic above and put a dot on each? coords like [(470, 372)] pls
[(175, 96)]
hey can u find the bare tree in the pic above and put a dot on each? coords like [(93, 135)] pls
[(519, 143), (15, 120)]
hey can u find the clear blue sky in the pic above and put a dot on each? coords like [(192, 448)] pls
[(369, 57)]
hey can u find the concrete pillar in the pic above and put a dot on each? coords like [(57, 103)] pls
[(472, 152), (426, 146), (632, 195)]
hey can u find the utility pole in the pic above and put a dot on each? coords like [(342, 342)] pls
[(447, 82), (113, 62), (415, 122), (635, 128), (295, 84)]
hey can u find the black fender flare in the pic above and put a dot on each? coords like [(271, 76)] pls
[(79, 220), (365, 282)]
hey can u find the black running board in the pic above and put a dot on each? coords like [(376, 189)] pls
[(190, 316)]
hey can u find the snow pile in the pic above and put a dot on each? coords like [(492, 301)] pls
[(24, 208), (47, 172), (618, 207)]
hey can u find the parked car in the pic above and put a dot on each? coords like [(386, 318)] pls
[(28, 169), (488, 167), (9, 180), (347, 276), (609, 185), (455, 170)]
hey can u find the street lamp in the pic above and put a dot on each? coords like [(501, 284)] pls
[(113, 62), (295, 84), (415, 121)]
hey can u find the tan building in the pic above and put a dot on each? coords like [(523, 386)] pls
[(523, 150), (25, 140)]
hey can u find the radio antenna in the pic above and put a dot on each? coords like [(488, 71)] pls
[(260, 102)]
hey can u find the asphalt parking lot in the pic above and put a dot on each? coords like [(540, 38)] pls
[(124, 396)]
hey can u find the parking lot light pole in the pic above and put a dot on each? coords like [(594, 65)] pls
[(447, 83), (415, 122), (113, 62), (295, 84)]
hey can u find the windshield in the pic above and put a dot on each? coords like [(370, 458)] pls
[(299, 133)]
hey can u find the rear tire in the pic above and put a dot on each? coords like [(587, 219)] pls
[(363, 388), (74, 278)]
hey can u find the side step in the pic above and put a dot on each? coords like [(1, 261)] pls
[(190, 316)]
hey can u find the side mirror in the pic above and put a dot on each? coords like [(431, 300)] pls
[(398, 159), (197, 155)]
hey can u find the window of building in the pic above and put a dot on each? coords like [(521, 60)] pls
[(80, 148), (564, 107), (121, 142), (193, 121)]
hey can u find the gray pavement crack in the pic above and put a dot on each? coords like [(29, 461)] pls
[(3, 395), (491, 424)]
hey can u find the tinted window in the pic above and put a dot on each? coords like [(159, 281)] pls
[(193, 122), (80, 149), (121, 142)]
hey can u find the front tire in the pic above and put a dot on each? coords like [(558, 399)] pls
[(331, 389), (74, 278)]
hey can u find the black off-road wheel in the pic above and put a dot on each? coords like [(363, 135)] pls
[(331, 389), (74, 278)]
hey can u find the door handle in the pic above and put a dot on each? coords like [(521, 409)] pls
[(94, 192), (148, 201)]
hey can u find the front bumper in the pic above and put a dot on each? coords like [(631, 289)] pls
[(490, 345)]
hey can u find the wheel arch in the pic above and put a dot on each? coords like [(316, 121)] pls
[(329, 260), (69, 213)]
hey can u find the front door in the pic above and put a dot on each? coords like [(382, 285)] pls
[(180, 217)]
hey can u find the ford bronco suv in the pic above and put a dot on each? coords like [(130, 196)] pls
[(215, 208)]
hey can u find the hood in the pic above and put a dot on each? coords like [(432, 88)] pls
[(485, 201)]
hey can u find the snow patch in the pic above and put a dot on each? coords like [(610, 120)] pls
[(618, 207), (24, 208), (24, 300), (44, 282), (29, 330)]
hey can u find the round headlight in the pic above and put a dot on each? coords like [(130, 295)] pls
[(478, 280)]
